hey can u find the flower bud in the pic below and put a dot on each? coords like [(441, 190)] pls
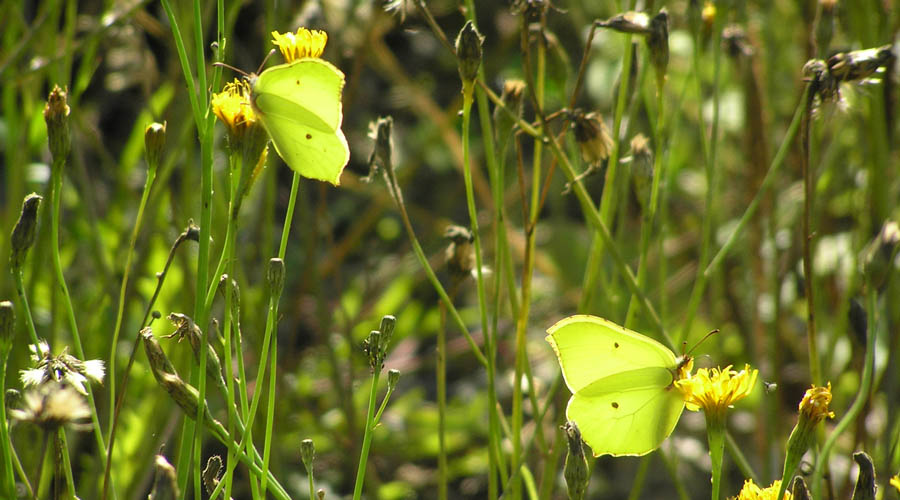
[(7, 327), (658, 43), (154, 143), (165, 482), (321, 494), (592, 137), (460, 253), (275, 278), (374, 353), (468, 52), (308, 454), (387, 328), (576, 468), (641, 160), (23, 234), (813, 409), (708, 18), (56, 115), (512, 98)]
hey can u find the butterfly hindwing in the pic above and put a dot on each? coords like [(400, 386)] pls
[(299, 103)]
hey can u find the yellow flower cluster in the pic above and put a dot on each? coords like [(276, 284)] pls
[(815, 403), (715, 389), (302, 44), (895, 482), (751, 491), (233, 108)]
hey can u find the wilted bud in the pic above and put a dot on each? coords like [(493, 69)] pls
[(380, 133), (154, 143), (56, 114), (308, 454), (165, 482), (468, 53), (235, 295), (858, 64), (592, 137), (513, 92), (460, 253), (192, 232), (212, 473), (825, 25), (275, 278), (24, 232), (799, 490), (628, 22), (879, 255), (393, 377), (7, 327), (321, 494), (865, 482), (186, 328), (641, 160), (576, 468), (658, 43)]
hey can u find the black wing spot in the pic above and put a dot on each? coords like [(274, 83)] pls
[(298, 82), (616, 345), (615, 405), (308, 136)]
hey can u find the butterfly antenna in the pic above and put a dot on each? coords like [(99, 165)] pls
[(263, 63), (708, 335), (232, 68)]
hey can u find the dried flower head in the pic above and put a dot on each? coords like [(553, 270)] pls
[(53, 405), (300, 45), (750, 491), (715, 390), (64, 368)]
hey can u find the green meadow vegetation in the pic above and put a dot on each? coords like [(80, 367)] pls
[(187, 312)]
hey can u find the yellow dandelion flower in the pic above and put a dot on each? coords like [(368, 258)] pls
[(814, 405), (750, 491), (233, 108), (895, 482), (302, 44), (715, 389)]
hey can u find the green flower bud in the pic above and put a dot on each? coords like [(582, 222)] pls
[(308, 454), (387, 329), (275, 278), (576, 468), (374, 352), (468, 53), (56, 115), (813, 409), (320, 494), (23, 234), (865, 482), (7, 327), (393, 377), (154, 143)]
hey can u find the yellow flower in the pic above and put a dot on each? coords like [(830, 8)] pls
[(304, 43), (232, 106), (895, 482), (751, 491), (814, 405), (714, 390)]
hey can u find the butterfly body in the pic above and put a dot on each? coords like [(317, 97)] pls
[(624, 398), (299, 104)]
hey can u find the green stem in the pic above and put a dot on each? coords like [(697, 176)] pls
[(55, 195), (23, 301), (715, 430), (812, 345), (367, 438), (65, 462), (8, 485), (441, 382)]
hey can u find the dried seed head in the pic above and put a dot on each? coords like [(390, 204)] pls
[(53, 405), (469, 53), (23, 234)]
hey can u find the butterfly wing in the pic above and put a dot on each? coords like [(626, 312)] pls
[(622, 398), (300, 105), (629, 413)]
